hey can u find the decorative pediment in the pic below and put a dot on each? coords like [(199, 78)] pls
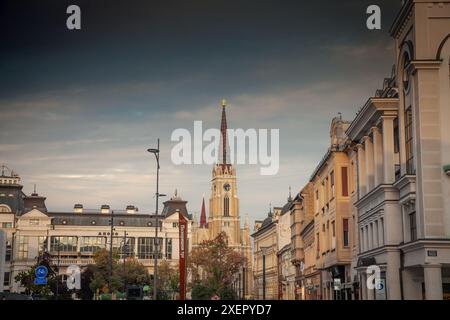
[(34, 214)]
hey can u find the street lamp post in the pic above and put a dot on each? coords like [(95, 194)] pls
[(264, 253), (155, 273), (125, 254), (111, 252), (57, 275)]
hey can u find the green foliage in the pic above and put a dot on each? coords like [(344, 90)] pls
[(201, 291), (212, 266), (130, 272)]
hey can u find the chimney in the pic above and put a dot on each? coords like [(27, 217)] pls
[(104, 208), (131, 209), (78, 208)]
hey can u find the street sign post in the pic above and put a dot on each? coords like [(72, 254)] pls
[(41, 275), (182, 224)]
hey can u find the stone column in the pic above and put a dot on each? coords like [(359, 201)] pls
[(380, 233), (362, 246), (377, 156), (369, 164), (361, 171), (433, 281), (393, 275), (376, 241), (363, 285), (388, 149)]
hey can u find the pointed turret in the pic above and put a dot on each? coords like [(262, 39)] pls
[(223, 159), (203, 223)]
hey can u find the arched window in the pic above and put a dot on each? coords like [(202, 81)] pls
[(4, 208), (226, 206)]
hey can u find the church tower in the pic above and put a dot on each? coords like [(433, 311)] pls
[(224, 201)]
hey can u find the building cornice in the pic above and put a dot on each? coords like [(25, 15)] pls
[(402, 19), (369, 115)]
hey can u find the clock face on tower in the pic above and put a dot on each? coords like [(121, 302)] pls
[(226, 187)]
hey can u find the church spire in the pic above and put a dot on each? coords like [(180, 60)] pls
[(203, 215), (223, 132)]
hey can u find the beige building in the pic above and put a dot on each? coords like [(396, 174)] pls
[(333, 223), (72, 237), (265, 266), (401, 147), (286, 270)]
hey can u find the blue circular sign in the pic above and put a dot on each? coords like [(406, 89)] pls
[(41, 272)]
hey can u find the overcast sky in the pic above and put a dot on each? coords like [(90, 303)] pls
[(80, 108)]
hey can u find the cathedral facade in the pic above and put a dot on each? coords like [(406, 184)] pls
[(224, 213)]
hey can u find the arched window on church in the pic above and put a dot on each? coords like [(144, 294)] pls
[(226, 206)]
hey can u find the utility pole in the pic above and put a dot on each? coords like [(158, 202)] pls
[(156, 254), (111, 252), (57, 274), (124, 252)]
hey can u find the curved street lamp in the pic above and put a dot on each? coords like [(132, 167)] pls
[(158, 195)]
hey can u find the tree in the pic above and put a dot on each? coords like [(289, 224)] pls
[(26, 279), (168, 281), (212, 266), (101, 277), (132, 273)]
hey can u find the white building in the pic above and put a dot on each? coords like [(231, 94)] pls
[(401, 151), (73, 237)]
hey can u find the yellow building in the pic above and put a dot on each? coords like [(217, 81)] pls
[(265, 257), (333, 221), (224, 213)]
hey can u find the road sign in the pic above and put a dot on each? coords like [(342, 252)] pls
[(41, 275), (40, 281)]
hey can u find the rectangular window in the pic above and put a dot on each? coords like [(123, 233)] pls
[(42, 243), (6, 225), (8, 253), (333, 227), (413, 226), (346, 232), (92, 244), (147, 248), (409, 142), (64, 244), (22, 249), (318, 246), (169, 248), (34, 222), (344, 173), (396, 136), (6, 279), (332, 183)]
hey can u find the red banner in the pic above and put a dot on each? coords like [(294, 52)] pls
[(182, 227)]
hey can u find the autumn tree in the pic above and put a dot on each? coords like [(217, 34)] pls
[(130, 272), (212, 266), (168, 280)]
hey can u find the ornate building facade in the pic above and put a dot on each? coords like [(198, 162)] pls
[(224, 213), (28, 228)]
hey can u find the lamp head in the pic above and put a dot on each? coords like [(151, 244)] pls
[(155, 151)]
